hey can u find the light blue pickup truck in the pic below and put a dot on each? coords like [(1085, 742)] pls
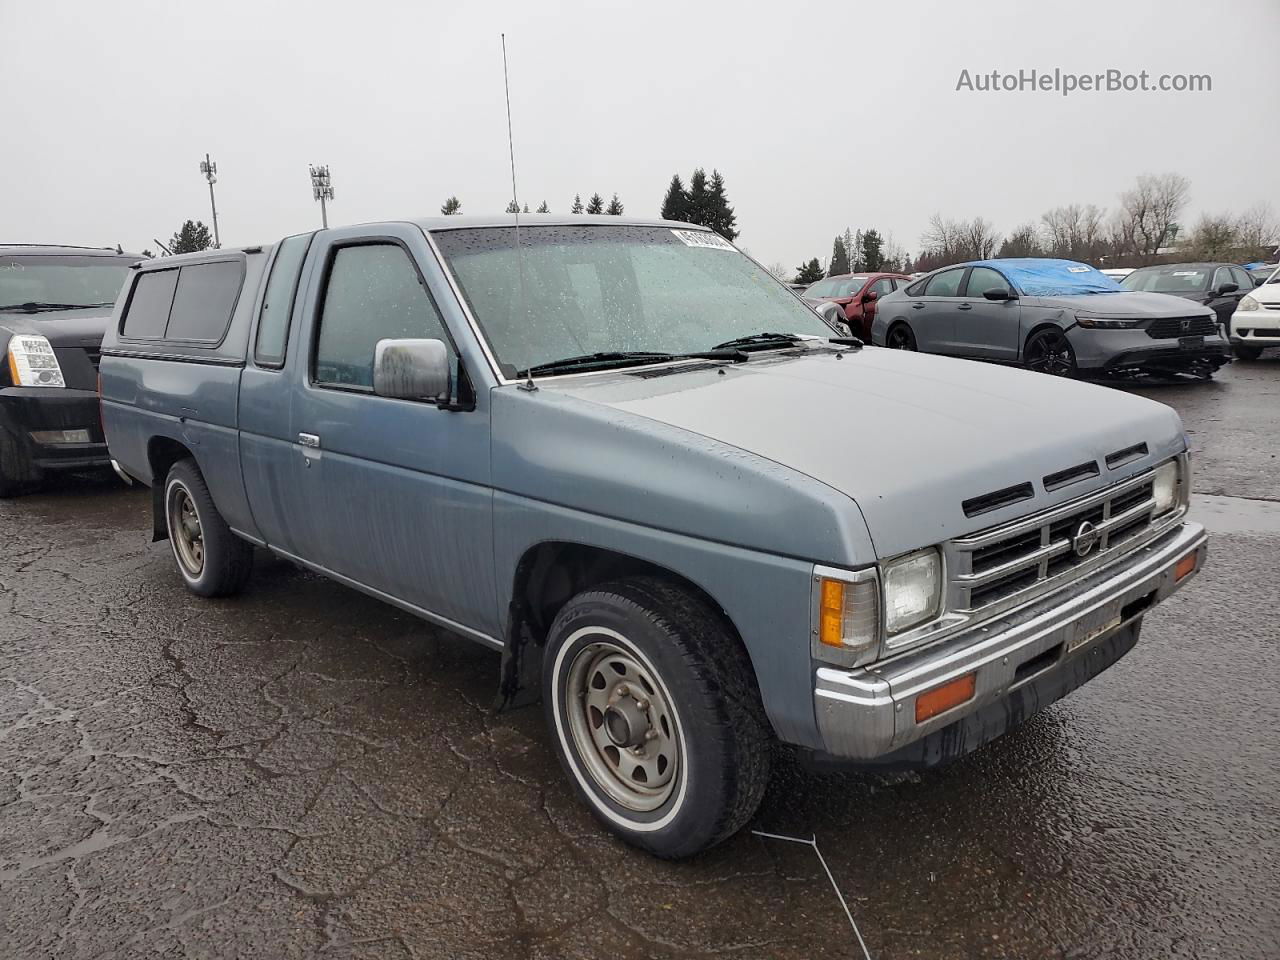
[(695, 520)]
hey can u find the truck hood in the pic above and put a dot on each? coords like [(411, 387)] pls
[(1137, 303), (63, 328), (908, 437)]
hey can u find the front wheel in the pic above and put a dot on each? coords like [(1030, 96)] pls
[(213, 561), (1048, 351), (17, 473), (655, 715), (900, 338), (1246, 352)]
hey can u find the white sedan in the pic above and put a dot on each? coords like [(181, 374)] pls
[(1256, 323)]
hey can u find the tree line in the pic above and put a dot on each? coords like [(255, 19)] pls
[(1145, 227), (596, 204)]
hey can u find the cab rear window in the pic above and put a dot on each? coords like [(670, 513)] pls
[(191, 304)]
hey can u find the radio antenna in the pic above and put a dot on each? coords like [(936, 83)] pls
[(515, 206)]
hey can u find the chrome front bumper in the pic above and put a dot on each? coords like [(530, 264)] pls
[(868, 713)]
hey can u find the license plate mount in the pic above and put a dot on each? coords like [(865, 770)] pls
[(1093, 625), (1191, 343)]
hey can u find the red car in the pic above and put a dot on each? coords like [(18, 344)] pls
[(856, 295)]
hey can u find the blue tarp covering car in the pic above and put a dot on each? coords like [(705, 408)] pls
[(1037, 277)]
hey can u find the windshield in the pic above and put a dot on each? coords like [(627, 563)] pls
[(594, 289), (835, 287), (67, 281), (1169, 279)]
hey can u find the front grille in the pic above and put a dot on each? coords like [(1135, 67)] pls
[(1167, 327), (999, 563)]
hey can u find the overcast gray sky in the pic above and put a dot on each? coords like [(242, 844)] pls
[(820, 116)]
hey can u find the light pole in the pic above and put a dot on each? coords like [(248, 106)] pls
[(322, 190), (210, 171)]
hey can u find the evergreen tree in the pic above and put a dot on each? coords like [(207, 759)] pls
[(451, 206), (512, 207), (872, 251), (577, 203), (856, 263), (193, 236), (697, 209), (839, 259), (595, 204), (675, 205), (615, 207), (543, 208), (526, 209), (810, 272), (722, 220)]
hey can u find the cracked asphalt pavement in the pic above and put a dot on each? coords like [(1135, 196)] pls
[(303, 771)]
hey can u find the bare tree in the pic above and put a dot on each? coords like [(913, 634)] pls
[(1215, 237), (1023, 241), (1258, 232), (949, 241), (1149, 212), (781, 271), (1075, 232)]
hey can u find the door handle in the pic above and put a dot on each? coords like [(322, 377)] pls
[(917, 306), (965, 306), (309, 440)]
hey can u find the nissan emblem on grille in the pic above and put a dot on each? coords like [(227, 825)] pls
[(1186, 325), (1086, 538)]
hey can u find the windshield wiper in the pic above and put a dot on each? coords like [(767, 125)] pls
[(615, 358), (36, 306), (760, 341)]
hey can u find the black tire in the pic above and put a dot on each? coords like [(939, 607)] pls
[(225, 561), (17, 473), (900, 337), (1049, 351), (1245, 352), (701, 678)]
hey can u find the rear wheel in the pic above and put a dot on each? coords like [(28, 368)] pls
[(1245, 352), (1048, 351), (900, 337), (655, 715), (213, 561)]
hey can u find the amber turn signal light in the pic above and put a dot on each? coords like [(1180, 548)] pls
[(1186, 566), (832, 613), (943, 698)]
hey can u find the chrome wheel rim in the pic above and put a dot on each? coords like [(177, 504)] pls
[(185, 531), (624, 727), (1050, 353)]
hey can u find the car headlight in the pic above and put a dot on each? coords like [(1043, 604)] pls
[(1247, 303), (1164, 487), (912, 591), (1107, 323), (32, 362), (846, 615)]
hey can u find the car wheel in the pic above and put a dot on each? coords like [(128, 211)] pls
[(1048, 351), (213, 561), (900, 337), (1245, 352), (655, 715), (17, 473)]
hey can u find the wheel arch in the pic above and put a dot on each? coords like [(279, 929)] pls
[(547, 576), (1034, 328), (162, 454)]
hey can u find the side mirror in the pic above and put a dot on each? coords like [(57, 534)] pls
[(870, 296), (412, 370), (999, 293), (1226, 288)]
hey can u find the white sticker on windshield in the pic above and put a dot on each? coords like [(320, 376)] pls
[(1186, 273), (1078, 269), (703, 238)]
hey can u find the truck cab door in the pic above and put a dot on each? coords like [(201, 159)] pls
[(391, 495)]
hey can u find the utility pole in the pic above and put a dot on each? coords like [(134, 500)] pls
[(322, 190), (210, 171)]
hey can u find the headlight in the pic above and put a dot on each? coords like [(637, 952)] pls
[(1247, 303), (1164, 487), (912, 591), (32, 362), (847, 616), (1107, 323)]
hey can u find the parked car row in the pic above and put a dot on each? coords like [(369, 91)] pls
[(604, 447)]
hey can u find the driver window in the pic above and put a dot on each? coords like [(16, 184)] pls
[(982, 279), (882, 287)]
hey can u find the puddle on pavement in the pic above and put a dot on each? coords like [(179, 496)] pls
[(1236, 514)]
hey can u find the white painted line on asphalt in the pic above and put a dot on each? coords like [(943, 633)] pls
[(834, 886)]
